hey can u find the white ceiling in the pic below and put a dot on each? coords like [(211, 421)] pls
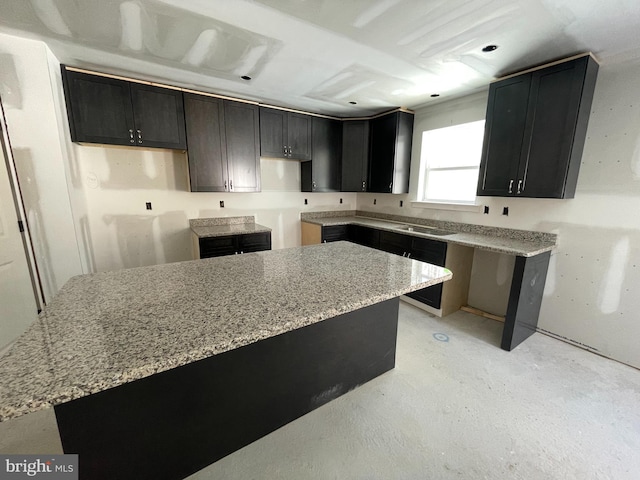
[(318, 55)]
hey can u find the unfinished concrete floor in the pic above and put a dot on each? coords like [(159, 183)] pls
[(458, 408)]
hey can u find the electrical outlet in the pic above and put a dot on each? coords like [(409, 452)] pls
[(306, 202), (148, 205), (401, 202), (505, 210), (221, 203), (340, 200), (486, 209), (374, 201)]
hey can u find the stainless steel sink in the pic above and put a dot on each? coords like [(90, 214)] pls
[(427, 230)]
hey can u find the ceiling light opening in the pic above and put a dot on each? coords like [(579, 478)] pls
[(489, 48), (435, 95), (245, 77), (353, 103)]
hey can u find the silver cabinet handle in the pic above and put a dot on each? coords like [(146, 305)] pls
[(363, 186), (409, 255), (139, 136), (390, 186), (285, 151), (231, 185), (313, 185), (290, 151), (519, 187), (510, 186), (131, 136), (225, 185)]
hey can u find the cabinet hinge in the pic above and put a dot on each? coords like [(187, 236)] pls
[(20, 226)]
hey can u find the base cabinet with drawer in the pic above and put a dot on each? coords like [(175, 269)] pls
[(208, 247)]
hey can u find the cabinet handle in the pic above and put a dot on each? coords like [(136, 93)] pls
[(510, 186), (363, 186), (131, 136), (139, 136), (225, 185), (390, 186), (314, 185), (285, 151), (408, 254), (519, 187), (289, 151), (231, 185)]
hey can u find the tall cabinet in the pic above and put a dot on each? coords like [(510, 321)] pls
[(535, 131), (224, 148)]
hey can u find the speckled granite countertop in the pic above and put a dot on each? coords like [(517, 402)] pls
[(106, 329), (222, 226), (521, 243)]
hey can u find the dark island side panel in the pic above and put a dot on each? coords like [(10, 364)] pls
[(175, 423)]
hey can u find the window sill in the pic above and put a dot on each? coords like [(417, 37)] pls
[(460, 207)]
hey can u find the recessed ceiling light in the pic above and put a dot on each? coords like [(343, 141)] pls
[(434, 95), (489, 48), (245, 77), (353, 103)]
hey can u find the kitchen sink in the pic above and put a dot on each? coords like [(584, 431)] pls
[(427, 230)]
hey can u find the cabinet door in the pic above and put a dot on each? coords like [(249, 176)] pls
[(207, 150), (273, 133), (99, 109), (254, 242), (504, 136), (321, 174), (299, 136), (242, 127), (369, 237), (355, 155), (218, 246), (434, 252), (556, 93), (158, 117), (382, 154), (334, 233), (395, 243)]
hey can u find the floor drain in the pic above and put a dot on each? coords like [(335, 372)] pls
[(441, 337)]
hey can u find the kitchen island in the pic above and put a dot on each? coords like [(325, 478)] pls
[(156, 372)]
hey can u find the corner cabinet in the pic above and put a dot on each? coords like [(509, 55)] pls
[(355, 155), (285, 134), (390, 153), (116, 112), (535, 131), (322, 173), (223, 138)]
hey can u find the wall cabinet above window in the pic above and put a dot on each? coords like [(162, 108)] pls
[(110, 111), (535, 131)]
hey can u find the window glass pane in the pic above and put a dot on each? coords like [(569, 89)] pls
[(452, 185), (455, 146)]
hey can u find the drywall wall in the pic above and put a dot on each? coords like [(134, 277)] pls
[(118, 182), (31, 116), (590, 296)]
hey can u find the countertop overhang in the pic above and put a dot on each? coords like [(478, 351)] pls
[(106, 329)]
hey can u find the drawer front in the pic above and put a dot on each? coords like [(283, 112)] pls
[(431, 296), (217, 246), (369, 237), (254, 242), (334, 233)]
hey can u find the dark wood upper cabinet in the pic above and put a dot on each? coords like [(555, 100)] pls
[(223, 145), (111, 111), (285, 134), (322, 174), (390, 153), (355, 155), (535, 131)]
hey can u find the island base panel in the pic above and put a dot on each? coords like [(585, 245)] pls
[(174, 423), (525, 299)]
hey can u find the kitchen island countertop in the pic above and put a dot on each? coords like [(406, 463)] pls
[(106, 329)]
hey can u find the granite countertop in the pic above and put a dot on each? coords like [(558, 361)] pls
[(521, 243), (106, 329), (223, 226)]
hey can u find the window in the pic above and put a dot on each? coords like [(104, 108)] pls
[(450, 162)]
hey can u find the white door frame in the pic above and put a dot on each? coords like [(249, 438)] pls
[(7, 153)]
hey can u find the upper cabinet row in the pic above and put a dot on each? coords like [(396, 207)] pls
[(535, 131)]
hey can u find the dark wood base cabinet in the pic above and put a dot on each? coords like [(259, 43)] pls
[(234, 244), (174, 423)]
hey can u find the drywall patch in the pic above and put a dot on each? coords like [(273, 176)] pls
[(613, 279)]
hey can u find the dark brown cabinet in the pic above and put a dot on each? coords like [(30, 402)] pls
[(234, 244), (390, 153), (367, 236), (285, 134), (535, 131), (355, 156), (322, 173), (223, 145), (111, 111), (434, 252), (334, 233)]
